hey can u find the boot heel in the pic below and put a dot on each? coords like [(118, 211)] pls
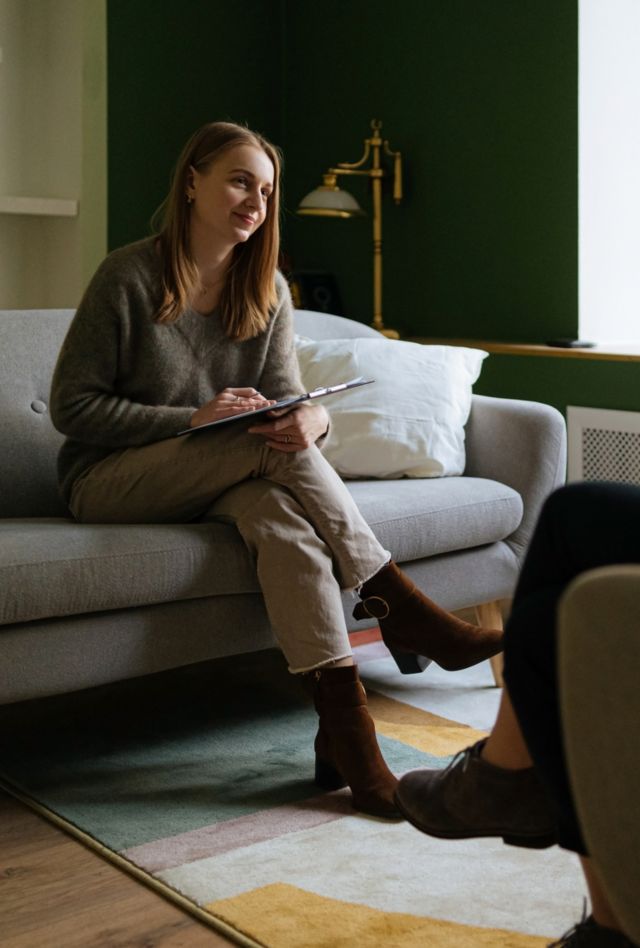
[(327, 777), (359, 611), (408, 663), (531, 842)]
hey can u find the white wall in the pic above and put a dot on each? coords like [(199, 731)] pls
[(609, 169), (52, 145)]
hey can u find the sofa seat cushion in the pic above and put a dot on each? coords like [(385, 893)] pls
[(419, 518), (55, 567)]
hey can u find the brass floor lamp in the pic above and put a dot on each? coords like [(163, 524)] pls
[(329, 200)]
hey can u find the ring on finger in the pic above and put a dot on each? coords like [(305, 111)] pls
[(287, 439)]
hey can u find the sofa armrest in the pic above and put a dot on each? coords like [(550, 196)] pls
[(521, 444)]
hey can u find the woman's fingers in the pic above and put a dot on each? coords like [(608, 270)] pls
[(289, 439), (228, 402), (242, 393), (291, 432), (247, 396), (241, 399)]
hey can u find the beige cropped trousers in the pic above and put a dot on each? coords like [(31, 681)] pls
[(292, 510)]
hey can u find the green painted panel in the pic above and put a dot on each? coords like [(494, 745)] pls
[(172, 67), (561, 382), (481, 97)]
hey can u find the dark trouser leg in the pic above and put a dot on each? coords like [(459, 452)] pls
[(582, 526)]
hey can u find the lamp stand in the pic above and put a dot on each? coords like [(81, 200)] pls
[(376, 143), (321, 203)]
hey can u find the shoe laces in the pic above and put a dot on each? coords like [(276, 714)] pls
[(586, 932), (575, 932), (464, 757)]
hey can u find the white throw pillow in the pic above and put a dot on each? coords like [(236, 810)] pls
[(410, 421)]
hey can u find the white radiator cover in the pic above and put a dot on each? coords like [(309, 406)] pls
[(603, 445)]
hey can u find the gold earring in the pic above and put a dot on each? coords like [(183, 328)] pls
[(189, 199)]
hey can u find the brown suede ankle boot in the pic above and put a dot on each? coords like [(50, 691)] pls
[(417, 631), (347, 751)]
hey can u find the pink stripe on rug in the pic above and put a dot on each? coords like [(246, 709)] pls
[(244, 831), (365, 636)]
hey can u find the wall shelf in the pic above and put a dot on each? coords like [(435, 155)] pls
[(40, 206), (610, 353)]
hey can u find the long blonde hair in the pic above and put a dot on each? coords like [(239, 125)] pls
[(249, 292)]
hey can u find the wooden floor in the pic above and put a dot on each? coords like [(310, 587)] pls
[(56, 893)]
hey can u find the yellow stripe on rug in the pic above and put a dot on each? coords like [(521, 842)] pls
[(284, 916), (420, 729)]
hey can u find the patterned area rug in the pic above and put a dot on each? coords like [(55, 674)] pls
[(200, 780)]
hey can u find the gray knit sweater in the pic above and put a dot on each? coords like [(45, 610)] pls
[(122, 379)]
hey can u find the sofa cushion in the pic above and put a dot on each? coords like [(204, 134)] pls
[(410, 422), (416, 518), (55, 567)]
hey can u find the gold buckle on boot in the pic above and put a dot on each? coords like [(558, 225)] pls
[(371, 612)]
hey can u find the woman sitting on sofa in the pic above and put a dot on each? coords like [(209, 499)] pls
[(195, 325)]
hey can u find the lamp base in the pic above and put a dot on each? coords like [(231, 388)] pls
[(389, 333)]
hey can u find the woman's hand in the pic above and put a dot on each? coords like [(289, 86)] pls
[(294, 430), (230, 401)]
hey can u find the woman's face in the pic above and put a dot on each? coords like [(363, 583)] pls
[(230, 197)]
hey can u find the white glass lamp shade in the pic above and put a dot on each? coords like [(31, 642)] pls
[(329, 201)]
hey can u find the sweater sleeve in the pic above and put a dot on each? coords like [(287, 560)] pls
[(85, 402), (281, 376), (281, 373)]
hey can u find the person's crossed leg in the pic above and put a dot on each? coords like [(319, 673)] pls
[(515, 784)]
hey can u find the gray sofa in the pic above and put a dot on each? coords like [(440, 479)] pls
[(82, 605)]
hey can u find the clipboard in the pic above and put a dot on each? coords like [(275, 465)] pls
[(289, 402)]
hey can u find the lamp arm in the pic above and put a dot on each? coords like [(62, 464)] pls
[(357, 164), (340, 170)]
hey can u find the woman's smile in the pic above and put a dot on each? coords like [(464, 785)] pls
[(246, 218)]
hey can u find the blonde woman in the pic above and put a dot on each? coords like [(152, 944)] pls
[(193, 325)]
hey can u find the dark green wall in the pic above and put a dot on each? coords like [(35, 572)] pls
[(171, 67), (561, 382), (481, 97)]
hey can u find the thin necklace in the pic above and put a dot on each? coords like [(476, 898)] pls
[(206, 287)]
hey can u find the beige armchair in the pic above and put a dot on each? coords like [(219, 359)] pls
[(599, 668)]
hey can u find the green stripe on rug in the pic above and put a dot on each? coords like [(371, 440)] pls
[(155, 758)]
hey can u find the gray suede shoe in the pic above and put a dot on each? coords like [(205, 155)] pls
[(472, 798)]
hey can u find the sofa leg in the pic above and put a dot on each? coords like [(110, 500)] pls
[(489, 615), (497, 667)]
